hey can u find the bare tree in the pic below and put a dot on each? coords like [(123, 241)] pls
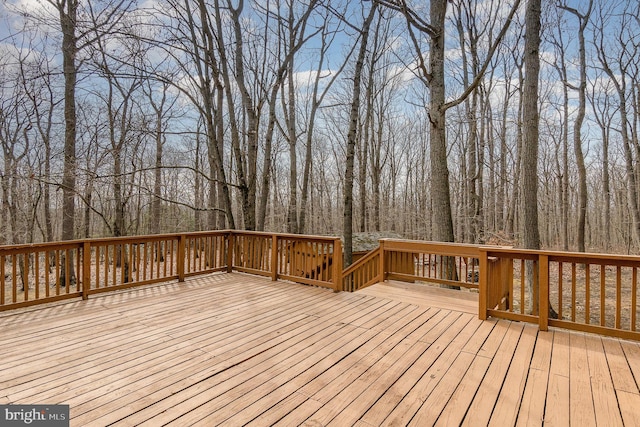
[(81, 25), (530, 143), (616, 62), (603, 114), (432, 73), (352, 136), (192, 42), (583, 20)]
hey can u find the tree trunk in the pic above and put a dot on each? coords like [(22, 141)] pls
[(441, 198), (583, 19), (69, 51), (530, 117), (352, 136), (292, 137)]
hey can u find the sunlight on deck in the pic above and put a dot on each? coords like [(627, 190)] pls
[(235, 349)]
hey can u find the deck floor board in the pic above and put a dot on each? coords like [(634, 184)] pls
[(234, 349)]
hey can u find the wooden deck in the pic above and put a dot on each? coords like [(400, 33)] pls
[(233, 349)]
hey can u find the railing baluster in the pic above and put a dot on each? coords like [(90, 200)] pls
[(47, 285), (14, 278), (181, 257), (2, 280), (634, 291), (86, 269), (587, 305), (573, 292), (618, 297), (57, 272), (114, 263), (157, 260), (107, 264), (36, 274), (523, 278), (78, 269), (543, 283), (274, 257), (603, 294), (560, 279), (24, 276)]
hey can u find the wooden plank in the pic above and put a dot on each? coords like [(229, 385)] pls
[(507, 405), (535, 392), (85, 338), (557, 404), (348, 369), (533, 400), (480, 410), (276, 388), (426, 368), (164, 386), (226, 400), (276, 412), (632, 353), (582, 412), (425, 295), (374, 381), (557, 395), (478, 340), (238, 349), (432, 407), (430, 335), (621, 373), (453, 412), (560, 353), (629, 404), (103, 362), (405, 397), (604, 396), (395, 334), (492, 343), (101, 366)]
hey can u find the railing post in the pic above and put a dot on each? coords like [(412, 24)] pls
[(543, 294), (274, 257), (337, 265), (483, 284), (181, 256), (231, 243), (381, 263), (86, 269)]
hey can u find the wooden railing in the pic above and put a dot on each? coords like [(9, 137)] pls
[(312, 260), (450, 264), (588, 292), (42, 272), (48, 272), (365, 272)]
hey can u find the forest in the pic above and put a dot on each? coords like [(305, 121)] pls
[(124, 117)]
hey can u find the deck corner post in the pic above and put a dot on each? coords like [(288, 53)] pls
[(543, 294), (86, 269), (382, 266), (274, 257), (337, 266), (181, 256), (483, 287)]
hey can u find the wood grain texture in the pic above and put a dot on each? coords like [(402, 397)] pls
[(234, 349)]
